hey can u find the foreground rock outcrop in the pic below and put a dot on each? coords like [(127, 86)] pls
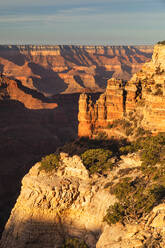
[(71, 69), (143, 96), (70, 203)]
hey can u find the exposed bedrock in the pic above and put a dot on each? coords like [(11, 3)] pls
[(71, 69), (70, 203), (143, 96)]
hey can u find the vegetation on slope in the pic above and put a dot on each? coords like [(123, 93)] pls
[(50, 162), (137, 197), (74, 243), (97, 154), (97, 160), (130, 125), (161, 42)]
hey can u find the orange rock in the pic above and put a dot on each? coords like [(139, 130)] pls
[(122, 97), (16, 91), (69, 69)]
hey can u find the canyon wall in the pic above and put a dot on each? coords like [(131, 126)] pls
[(143, 95), (70, 69), (69, 203), (31, 126), (14, 90)]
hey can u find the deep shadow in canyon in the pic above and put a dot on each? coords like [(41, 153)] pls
[(26, 135), (56, 84), (12, 54)]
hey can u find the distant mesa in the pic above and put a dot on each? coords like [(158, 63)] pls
[(71, 69)]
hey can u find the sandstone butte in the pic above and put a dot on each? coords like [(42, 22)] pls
[(70, 203), (71, 69), (141, 98)]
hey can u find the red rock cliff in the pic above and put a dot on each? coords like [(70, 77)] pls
[(143, 94), (14, 90), (70, 69)]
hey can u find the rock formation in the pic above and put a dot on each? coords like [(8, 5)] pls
[(69, 69), (143, 94), (31, 126), (14, 90), (70, 203)]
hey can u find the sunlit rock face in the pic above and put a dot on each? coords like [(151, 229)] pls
[(56, 205), (70, 203), (152, 80), (153, 72), (71, 69), (14, 90), (143, 94)]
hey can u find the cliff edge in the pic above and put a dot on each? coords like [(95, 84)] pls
[(70, 203), (140, 101)]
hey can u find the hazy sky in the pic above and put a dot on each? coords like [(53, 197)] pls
[(87, 22)]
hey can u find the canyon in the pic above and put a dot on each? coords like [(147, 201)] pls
[(71, 69), (31, 126), (38, 115), (68, 202)]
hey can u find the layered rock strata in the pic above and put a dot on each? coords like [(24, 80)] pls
[(144, 94), (70, 203), (14, 90), (70, 69)]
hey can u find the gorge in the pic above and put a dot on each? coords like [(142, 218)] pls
[(71, 69), (124, 123)]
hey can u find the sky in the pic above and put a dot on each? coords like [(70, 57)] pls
[(82, 22)]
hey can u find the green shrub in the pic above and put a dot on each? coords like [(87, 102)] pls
[(159, 173), (97, 160), (126, 149), (151, 150), (115, 213), (74, 243), (136, 199), (83, 144), (161, 42), (50, 162), (158, 191)]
